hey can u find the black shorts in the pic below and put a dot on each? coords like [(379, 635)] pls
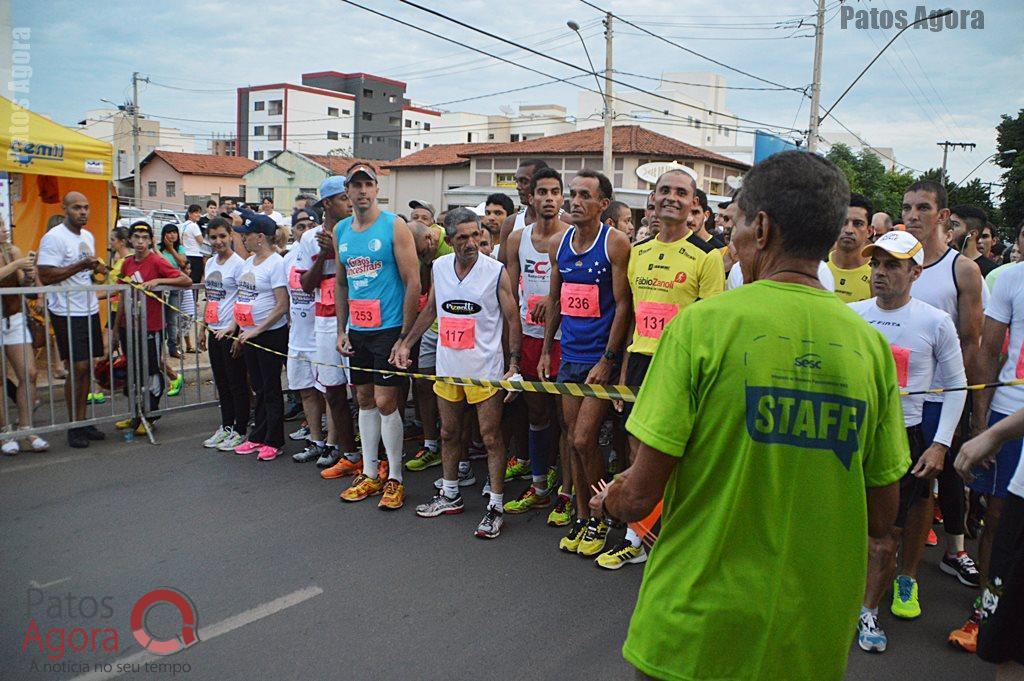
[(912, 488), (371, 350), (636, 371), (196, 265), (79, 350), (1002, 624)]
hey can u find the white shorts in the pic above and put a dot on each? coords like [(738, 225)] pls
[(428, 349), (13, 330), (300, 370), (327, 354)]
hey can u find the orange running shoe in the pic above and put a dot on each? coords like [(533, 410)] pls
[(342, 469), (361, 488), (932, 539), (394, 496), (966, 637)]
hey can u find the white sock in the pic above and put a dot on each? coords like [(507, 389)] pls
[(866, 609), (463, 467), (498, 502), (354, 457), (392, 431), (450, 488), (632, 537), (318, 443), (431, 445), (369, 433)]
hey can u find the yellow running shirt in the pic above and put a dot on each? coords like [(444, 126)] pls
[(781, 406), (665, 278), (851, 285)]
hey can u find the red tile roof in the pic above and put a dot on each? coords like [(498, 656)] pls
[(336, 165), (439, 155), (204, 164)]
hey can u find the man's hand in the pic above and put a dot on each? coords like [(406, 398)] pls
[(597, 501), (400, 356), (600, 373), (540, 311), (219, 335), (393, 357), (326, 243), (236, 349), (344, 346), (512, 375), (149, 285), (979, 451), (544, 366), (246, 336), (931, 463)]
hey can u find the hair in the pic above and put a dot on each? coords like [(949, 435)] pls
[(121, 233), (169, 227), (534, 163), (54, 220), (309, 199), (888, 219), (268, 198), (972, 215), (502, 200), (211, 202), (936, 189), (702, 197), (218, 221), (680, 171), (861, 201), (459, 216), (612, 211), (806, 197), (546, 173), (131, 228), (604, 185)]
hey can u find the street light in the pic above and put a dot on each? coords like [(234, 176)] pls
[(606, 155), (1008, 152)]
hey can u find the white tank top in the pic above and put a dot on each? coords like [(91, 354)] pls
[(535, 267), (470, 319), (520, 222), (937, 285)]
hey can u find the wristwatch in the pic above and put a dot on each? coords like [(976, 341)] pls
[(610, 356)]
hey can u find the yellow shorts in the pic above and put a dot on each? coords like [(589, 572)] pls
[(457, 393)]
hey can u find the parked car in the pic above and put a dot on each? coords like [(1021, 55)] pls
[(156, 218)]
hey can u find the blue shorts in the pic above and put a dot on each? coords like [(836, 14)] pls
[(995, 479), (573, 372)]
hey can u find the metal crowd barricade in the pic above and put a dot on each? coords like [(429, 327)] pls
[(49, 412)]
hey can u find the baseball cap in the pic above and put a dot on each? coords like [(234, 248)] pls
[(256, 223), (416, 203), (140, 226), (332, 186), (901, 245), (310, 213), (361, 168)]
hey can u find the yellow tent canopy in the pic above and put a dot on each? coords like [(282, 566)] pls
[(36, 145)]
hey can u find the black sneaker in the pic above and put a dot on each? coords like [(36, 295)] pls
[(77, 439), (93, 433), (962, 567), (311, 452), (294, 412)]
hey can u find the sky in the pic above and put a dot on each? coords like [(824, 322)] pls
[(929, 86)]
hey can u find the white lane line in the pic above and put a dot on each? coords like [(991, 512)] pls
[(36, 585), (92, 457), (214, 630), (39, 464)]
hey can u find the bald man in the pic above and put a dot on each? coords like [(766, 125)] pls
[(880, 224), (67, 253)]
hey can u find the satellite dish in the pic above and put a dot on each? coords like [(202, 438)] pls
[(734, 182)]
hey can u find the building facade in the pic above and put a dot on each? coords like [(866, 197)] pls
[(272, 118), (286, 174), (173, 180), (115, 126)]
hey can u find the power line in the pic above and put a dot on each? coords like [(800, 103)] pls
[(710, 85)]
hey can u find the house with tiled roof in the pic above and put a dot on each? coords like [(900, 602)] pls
[(450, 175), (172, 179), (286, 174)]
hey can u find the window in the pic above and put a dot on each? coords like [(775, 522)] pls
[(257, 106), (169, 189), (273, 132), (469, 137), (426, 126), (490, 135), (257, 155), (394, 120), (367, 93), (151, 188), (275, 107), (391, 99), (380, 138), (257, 131), (425, 146), (332, 135), (505, 180), (308, 190), (266, 193), (393, 141), (332, 111), (696, 123), (367, 116), (241, 190), (514, 138), (408, 144), (345, 112), (366, 139), (345, 136), (408, 123)]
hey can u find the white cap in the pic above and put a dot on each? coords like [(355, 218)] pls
[(901, 245)]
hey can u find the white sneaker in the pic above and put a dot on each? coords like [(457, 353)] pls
[(300, 434), (37, 443), (10, 448), (231, 441), (218, 437)]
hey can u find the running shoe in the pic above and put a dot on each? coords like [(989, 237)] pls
[(623, 554), (393, 496), (176, 386), (932, 539), (344, 468), (423, 459), (294, 411), (440, 505), (561, 514), (552, 478), (870, 636), (10, 447), (247, 447), (570, 543), (962, 567), (301, 434), (330, 456), (218, 437), (904, 598), (490, 526), (37, 444), (465, 480), (594, 538), (361, 488), (937, 515), (231, 441), (477, 451), (966, 637), (529, 499), (96, 398), (123, 425), (517, 469), (312, 452), (268, 453)]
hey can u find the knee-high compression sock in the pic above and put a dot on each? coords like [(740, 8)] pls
[(369, 433), (392, 433), (539, 442)]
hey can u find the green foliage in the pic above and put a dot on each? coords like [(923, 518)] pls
[(1010, 136)]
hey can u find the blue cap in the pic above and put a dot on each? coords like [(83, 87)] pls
[(332, 186), (256, 223)]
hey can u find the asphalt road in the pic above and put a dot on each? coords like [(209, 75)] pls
[(289, 583)]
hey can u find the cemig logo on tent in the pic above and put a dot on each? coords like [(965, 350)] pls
[(24, 152)]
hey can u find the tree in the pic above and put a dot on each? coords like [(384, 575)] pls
[(866, 175), (1010, 137)]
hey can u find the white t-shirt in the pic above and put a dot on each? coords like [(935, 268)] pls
[(1007, 307), (308, 250), (275, 216), (735, 279), (256, 288), (221, 282), (301, 333), (61, 247), (928, 335), (189, 232)]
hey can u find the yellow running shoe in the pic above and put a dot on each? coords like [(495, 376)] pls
[(561, 514), (623, 554), (594, 537), (529, 499), (361, 488), (905, 604), (394, 496), (570, 543)]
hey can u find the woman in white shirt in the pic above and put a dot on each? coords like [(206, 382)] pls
[(259, 316)]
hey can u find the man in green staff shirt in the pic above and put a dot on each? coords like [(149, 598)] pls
[(770, 422)]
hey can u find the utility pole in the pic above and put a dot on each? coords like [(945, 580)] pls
[(945, 153), (819, 42), (609, 169), (137, 178)]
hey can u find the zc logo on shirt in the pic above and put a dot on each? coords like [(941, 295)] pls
[(805, 419)]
